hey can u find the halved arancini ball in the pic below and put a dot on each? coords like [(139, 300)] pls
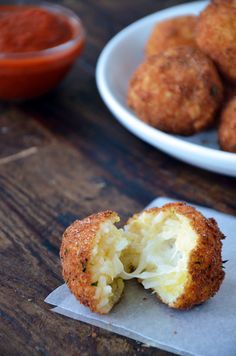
[(177, 31), (90, 258), (216, 37), (227, 127), (175, 251), (177, 91)]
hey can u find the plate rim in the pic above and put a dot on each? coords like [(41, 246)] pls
[(130, 120)]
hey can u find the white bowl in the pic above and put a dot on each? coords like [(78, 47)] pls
[(117, 62)]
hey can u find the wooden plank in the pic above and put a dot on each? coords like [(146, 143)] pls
[(35, 207), (64, 156)]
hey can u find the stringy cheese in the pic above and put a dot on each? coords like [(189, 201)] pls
[(152, 247), (106, 266), (161, 245)]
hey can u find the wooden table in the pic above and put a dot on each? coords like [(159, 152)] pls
[(62, 157)]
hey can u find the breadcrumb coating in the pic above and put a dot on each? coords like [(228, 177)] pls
[(173, 250), (204, 263), (225, 2), (178, 31), (177, 91), (227, 127), (215, 36), (78, 242)]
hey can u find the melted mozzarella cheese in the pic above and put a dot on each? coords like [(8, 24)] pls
[(105, 266), (163, 244)]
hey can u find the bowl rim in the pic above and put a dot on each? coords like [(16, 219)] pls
[(74, 20)]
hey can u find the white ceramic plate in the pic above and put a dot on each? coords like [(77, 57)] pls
[(115, 66)]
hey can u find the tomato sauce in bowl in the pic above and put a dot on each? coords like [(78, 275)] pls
[(38, 45)]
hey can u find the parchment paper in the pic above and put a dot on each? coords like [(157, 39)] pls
[(208, 329)]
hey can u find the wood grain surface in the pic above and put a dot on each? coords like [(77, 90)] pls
[(64, 156)]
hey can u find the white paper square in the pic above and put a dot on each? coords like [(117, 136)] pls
[(207, 330)]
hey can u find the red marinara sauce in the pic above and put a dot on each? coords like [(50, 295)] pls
[(38, 45)]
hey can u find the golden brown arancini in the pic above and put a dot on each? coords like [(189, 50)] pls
[(227, 127), (177, 91), (225, 2), (215, 36), (177, 31), (90, 261), (173, 250), (179, 254)]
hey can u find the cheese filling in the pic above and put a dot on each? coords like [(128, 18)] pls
[(159, 248), (105, 265), (153, 248)]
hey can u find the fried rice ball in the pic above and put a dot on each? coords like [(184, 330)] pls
[(178, 31), (215, 36), (227, 127), (177, 91), (176, 252), (90, 257), (225, 2), (173, 250)]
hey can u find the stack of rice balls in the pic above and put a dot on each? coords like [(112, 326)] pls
[(187, 82)]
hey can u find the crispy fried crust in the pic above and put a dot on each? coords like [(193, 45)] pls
[(225, 2), (204, 266), (178, 31), (178, 91), (215, 36), (205, 262), (77, 243), (227, 127)]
